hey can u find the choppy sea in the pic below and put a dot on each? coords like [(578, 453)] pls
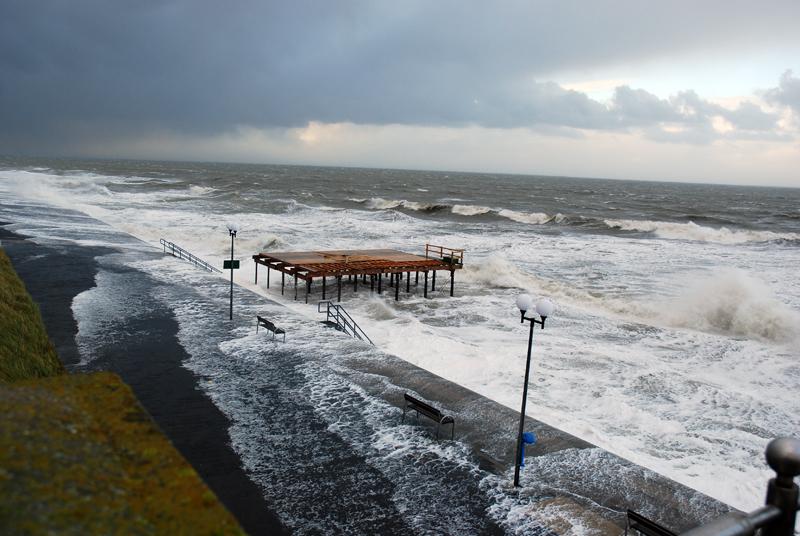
[(676, 338)]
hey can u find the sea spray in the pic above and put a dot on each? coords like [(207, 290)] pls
[(734, 303)]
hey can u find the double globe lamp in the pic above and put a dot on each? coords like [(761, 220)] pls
[(528, 311)]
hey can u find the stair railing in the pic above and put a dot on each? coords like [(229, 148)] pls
[(336, 314), (177, 251)]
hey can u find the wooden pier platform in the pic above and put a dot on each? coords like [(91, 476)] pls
[(368, 264)]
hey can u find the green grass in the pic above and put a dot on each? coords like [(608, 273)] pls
[(79, 455), (25, 350)]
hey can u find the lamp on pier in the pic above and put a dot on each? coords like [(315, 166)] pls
[(528, 311), (233, 228)]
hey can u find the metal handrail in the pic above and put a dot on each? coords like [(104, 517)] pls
[(177, 251), (336, 314), (449, 255)]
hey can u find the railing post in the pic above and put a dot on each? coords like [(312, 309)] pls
[(783, 456)]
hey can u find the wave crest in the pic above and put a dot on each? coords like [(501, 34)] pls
[(699, 233), (470, 210)]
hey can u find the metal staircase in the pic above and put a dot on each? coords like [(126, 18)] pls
[(339, 319), (177, 251)]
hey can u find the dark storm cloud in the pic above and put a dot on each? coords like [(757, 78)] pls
[(78, 68)]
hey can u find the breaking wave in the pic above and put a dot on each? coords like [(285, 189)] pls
[(534, 218), (734, 303), (700, 233), (725, 301)]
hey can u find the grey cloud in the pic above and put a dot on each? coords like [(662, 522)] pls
[(86, 68), (638, 107), (787, 93)]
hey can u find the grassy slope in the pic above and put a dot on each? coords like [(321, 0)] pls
[(25, 350), (78, 453)]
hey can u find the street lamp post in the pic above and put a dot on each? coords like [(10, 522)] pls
[(233, 228), (544, 308)]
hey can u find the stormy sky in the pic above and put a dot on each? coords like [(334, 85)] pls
[(678, 90)]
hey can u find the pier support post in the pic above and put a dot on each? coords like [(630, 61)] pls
[(380, 283), (397, 290), (371, 282), (338, 288), (433, 283), (425, 292), (355, 283), (283, 282), (267, 276), (416, 279), (408, 282), (256, 266), (308, 287), (295, 286), (452, 281), (323, 286)]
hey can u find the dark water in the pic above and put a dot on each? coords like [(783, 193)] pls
[(562, 202)]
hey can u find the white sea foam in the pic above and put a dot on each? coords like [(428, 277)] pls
[(470, 210), (692, 231), (200, 190), (536, 218)]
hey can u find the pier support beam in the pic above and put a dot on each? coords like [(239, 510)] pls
[(338, 288), (323, 286), (433, 283), (397, 289), (380, 283), (425, 292), (452, 281), (408, 282), (416, 279)]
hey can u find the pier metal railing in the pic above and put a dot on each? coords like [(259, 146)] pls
[(177, 251), (449, 255), (336, 315)]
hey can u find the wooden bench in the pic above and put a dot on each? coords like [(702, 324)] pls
[(645, 526), (264, 323), (429, 411)]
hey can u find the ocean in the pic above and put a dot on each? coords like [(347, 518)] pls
[(676, 337)]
